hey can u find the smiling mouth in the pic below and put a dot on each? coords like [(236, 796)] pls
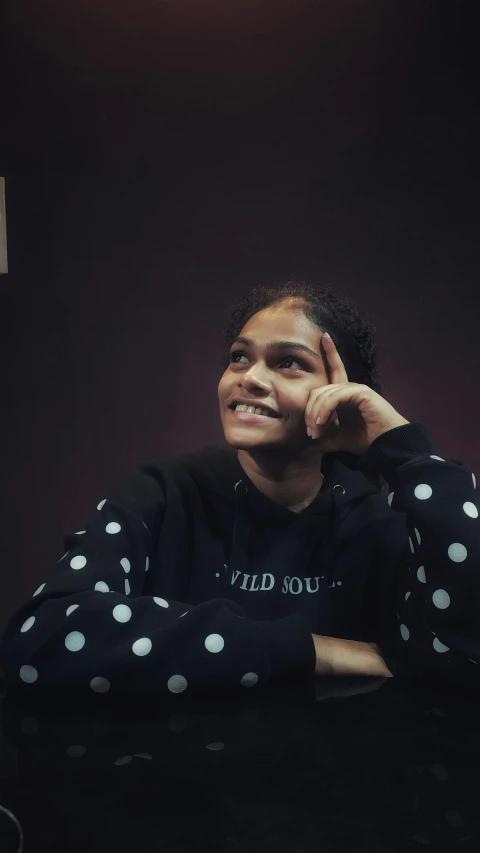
[(241, 408)]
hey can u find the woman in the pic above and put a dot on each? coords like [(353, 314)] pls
[(277, 557)]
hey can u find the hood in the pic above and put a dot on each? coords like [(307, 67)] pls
[(217, 469)]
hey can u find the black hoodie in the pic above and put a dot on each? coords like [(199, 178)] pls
[(188, 577)]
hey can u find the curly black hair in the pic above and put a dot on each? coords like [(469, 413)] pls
[(354, 335)]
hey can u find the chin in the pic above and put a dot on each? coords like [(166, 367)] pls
[(241, 442), (249, 442)]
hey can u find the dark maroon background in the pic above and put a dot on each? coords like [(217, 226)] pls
[(162, 157)]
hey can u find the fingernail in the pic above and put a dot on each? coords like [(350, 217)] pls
[(309, 432), (326, 335)]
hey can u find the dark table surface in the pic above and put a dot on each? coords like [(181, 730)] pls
[(380, 766)]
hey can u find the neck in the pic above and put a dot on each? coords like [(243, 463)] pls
[(292, 483)]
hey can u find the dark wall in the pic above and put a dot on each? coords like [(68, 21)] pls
[(162, 157)]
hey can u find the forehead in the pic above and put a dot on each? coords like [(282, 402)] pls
[(282, 323)]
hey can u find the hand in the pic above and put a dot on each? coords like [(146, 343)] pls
[(348, 657), (345, 415)]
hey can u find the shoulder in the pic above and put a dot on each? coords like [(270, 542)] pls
[(154, 477)]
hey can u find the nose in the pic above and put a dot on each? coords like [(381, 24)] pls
[(257, 378)]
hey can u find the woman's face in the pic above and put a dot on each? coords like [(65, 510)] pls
[(274, 364)]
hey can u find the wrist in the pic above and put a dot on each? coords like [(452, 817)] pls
[(324, 652), (336, 656)]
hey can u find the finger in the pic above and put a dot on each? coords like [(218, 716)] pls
[(336, 366), (323, 414), (332, 420), (315, 407), (311, 408)]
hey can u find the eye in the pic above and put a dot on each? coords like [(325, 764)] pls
[(294, 361), (288, 362), (236, 355)]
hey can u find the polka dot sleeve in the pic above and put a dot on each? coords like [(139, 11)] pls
[(89, 625), (433, 545)]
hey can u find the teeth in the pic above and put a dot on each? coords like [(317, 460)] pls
[(258, 410)]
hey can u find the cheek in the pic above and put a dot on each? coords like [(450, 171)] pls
[(224, 386), (294, 405)]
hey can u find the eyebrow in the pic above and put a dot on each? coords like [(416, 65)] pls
[(281, 345)]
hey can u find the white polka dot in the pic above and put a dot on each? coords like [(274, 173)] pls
[(470, 509), (147, 564), (78, 562), (101, 586), (417, 534), (421, 574), (28, 674), (113, 527), (177, 684), (249, 679), (76, 751), (74, 641), (125, 564), (441, 599), (80, 532), (404, 632), (143, 755), (474, 481), (390, 498), (216, 746), (217, 574), (27, 625), (71, 609), (423, 492), (407, 595), (99, 684), (432, 456), (122, 613), (37, 591), (127, 588), (125, 760), (102, 504), (214, 643), (457, 552), (439, 647), (142, 647), (183, 614), (145, 526), (161, 602)]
